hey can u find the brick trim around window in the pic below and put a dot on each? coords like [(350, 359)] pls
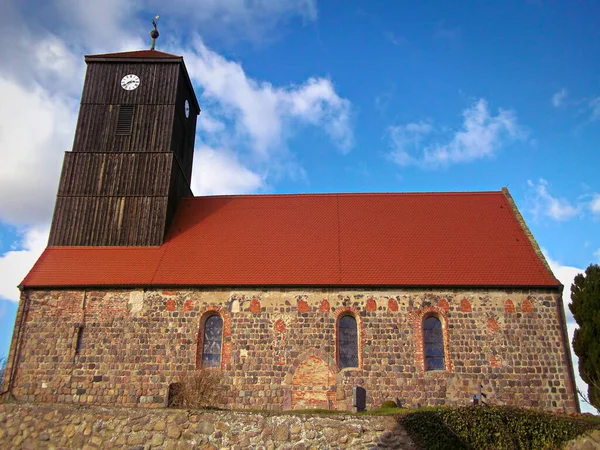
[(225, 335), (417, 325), (360, 329)]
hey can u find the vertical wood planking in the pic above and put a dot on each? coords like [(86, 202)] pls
[(151, 130), (106, 208), (150, 173), (124, 189), (140, 224), (158, 83)]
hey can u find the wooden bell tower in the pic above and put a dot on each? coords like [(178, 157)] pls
[(132, 156)]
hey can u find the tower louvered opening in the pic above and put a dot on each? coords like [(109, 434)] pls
[(125, 119)]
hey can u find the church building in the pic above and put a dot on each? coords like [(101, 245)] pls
[(294, 300)]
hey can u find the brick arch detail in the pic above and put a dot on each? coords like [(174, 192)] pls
[(279, 326), (351, 310), (443, 304), (303, 306), (509, 307), (311, 382), (492, 325), (417, 324), (325, 306), (308, 353), (527, 306), (205, 313), (465, 306), (371, 304), (255, 306)]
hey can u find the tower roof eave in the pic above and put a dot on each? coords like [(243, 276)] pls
[(154, 56), (135, 55)]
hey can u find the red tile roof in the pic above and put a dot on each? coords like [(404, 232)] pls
[(142, 54), (429, 239)]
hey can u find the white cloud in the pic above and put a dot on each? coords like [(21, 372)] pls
[(444, 32), (482, 135), (558, 99), (254, 20), (217, 171), (209, 125), (595, 109), (42, 76), (100, 26), (40, 85), (15, 264), (566, 275), (51, 40), (542, 203), (595, 204), (248, 10), (383, 99), (264, 114), (35, 131), (37, 56), (597, 255), (317, 103), (394, 38), (589, 106), (114, 25), (406, 139), (41, 82)]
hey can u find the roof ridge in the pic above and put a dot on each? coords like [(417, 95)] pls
[(521, 221), (345, 194), (163, 251), (145, 53), (103, 247)]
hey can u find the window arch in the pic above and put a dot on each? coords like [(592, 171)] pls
[(347, 342), (433, 343), (211, 340)]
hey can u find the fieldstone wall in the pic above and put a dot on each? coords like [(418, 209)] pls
[(47, 426), (125, 347), (589, 441)]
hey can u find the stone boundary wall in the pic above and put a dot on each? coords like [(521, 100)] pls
[(56, 426)]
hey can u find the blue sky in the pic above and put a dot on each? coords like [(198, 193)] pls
[(307, 96)]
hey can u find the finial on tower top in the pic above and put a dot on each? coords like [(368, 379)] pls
[(154, 33)]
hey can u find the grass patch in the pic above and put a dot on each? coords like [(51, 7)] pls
[(385, 411)]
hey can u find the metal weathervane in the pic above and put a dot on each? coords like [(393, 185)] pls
[(154, 33)]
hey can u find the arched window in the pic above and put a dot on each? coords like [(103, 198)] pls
[(433, 343), (212, 337), (347, 341)]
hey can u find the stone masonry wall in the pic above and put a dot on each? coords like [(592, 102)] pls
[(279, 347), (49, 426)]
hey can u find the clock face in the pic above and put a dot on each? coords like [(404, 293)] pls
[(130, 82), (187, 108)]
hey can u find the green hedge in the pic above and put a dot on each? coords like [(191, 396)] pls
[(491, 427)]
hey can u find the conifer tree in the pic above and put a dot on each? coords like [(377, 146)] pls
[(585, 306)]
